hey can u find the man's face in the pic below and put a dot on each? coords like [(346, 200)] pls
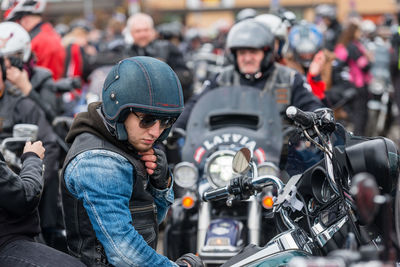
[(142, 139), (249, 60), (142, 33)]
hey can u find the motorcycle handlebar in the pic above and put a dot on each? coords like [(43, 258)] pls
[(8, 140), (250, 186), (216, 194), (305, 119)]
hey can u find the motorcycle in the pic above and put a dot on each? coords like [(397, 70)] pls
[(317, 211), (381, 111), (223, 121), (12, 146), (372, 206)]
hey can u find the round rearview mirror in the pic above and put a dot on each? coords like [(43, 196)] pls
[(241, 161)]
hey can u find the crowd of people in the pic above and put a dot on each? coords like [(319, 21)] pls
[(115, 185)]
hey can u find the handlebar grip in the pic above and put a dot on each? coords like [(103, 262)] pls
[(305, 119), (216, 194)]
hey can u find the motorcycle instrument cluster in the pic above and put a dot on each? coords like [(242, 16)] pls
[(321, 186)]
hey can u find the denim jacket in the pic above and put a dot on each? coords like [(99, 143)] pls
[(107, 204)]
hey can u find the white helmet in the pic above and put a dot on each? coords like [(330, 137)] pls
[(276, 24), (14, 39), (16, 8), (247, 13), (368, 26), (326, 11)]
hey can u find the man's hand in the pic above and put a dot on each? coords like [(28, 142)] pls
[(190, 260), (36, 147), (156, 165), (20, 79), (317, 64)]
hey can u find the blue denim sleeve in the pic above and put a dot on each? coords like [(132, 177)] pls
[(163, 199), (103, 181)]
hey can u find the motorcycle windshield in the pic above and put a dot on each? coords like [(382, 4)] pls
[(232, 118), (302, 154)]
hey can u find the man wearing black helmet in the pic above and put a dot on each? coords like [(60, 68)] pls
[(251, 46), (332, 26), (117, 186)]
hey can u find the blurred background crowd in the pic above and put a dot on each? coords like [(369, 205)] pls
[(190, 36), (348, 50)]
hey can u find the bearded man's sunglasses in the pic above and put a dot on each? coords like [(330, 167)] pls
[(147, 120)]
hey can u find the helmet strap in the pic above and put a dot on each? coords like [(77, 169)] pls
[(121, 133)]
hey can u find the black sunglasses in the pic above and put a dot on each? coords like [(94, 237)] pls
[(147, 120)]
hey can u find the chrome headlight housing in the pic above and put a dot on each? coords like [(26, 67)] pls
[(218, 168), (185, 174)]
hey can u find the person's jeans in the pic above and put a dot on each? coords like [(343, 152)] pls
[(26, 253)]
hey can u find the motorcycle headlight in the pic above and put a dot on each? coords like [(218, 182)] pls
[(376, 86), (185, 174), (267, 168), (219, 168)]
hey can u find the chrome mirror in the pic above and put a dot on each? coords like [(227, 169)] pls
[(241, 161)]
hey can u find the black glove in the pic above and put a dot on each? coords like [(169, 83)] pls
[(190, 258), (159, 179)]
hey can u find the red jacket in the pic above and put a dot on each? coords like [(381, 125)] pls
[(49, 50), (317, 85)]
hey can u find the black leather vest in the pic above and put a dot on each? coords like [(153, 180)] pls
[(81, 238), (279, 83)]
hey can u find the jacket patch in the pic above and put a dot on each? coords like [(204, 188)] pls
[(282, 96)]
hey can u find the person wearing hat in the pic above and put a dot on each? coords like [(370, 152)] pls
[(332, 27), (250, 45), (116, 183)]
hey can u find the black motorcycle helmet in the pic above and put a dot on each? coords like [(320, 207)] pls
[(250, 33)]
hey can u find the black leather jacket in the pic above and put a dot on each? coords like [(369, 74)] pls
[(16, 109), (19, 198), (44, 93)]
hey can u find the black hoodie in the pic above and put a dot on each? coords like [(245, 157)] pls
[(92, 122)]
